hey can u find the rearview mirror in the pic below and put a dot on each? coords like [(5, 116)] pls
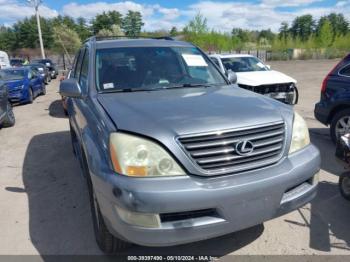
[(70, 88), (232, 77)]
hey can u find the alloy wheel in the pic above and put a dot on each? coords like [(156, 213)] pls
[(343, 126)]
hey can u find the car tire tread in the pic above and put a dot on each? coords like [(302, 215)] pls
[(10, 119)]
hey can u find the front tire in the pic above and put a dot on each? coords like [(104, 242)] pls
[(340, 124), (107, 242), (10, 119), (30, 96), (43, 89), (344, 185)]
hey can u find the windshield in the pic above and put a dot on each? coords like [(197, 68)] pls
[(39, 68), (46, 62), (243, 64), (8, 75), (153, 68)]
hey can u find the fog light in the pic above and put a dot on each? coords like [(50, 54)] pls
[(139, 219)]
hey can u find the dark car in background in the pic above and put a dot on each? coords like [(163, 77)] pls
[(333, 109), (16, 62), (23, 84), (7, 118), (42, 70), (49, 64)]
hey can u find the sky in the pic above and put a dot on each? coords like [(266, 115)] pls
[(163, 14)]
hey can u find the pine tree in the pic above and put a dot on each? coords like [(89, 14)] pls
[(132, 24)]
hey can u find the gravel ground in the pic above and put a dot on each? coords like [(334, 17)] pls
[(44, 206)]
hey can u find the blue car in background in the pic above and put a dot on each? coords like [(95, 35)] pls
[(24, 84)]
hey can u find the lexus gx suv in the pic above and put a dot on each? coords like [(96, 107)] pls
[(173, 151)]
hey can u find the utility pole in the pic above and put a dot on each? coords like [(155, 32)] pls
[(36, 4)]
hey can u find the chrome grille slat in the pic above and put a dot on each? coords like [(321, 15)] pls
[(234, 157), (232, 141), (267, 142), (224, 150), (215, 153), (227, 134), (241, 161)]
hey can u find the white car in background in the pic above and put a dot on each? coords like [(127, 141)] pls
[(254, 75), (4, 60)]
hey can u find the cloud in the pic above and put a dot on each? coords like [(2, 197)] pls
[(221, 15), (288, 3), (155, 16), (90, 10), (226, 15), (12, 10)]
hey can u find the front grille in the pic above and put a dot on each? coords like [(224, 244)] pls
[(216, 153), (273, 88)]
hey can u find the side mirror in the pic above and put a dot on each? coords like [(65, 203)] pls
[(268, 67), (70, 88), (232, 77)]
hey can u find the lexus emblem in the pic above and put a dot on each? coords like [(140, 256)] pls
[(244, 148)]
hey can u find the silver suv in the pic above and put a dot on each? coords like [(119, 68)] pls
[(173, 151)]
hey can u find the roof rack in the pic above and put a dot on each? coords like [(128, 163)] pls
[(100, 38)]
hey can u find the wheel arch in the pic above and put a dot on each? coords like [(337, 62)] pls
[(337, 109)]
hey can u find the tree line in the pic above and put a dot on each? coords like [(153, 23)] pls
[(328, 35), (64, 32)]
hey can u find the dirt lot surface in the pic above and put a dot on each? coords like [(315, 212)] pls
[(44, 207)]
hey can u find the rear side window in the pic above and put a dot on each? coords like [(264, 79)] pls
[(345, 71)]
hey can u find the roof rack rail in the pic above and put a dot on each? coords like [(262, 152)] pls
[(164, 38), (99, 38)]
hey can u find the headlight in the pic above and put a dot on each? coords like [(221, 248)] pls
[(300, 136), (19, 87), (139, 157)]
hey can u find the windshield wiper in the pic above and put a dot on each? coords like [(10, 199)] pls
[(188, 85), (127, 90)]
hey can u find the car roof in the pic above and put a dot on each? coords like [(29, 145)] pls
[(113, 43), (42, 59), (230, 55), (22, 68), (36, 64)]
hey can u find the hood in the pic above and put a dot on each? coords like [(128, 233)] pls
[(14, 83), (263, 78), (188, 111)]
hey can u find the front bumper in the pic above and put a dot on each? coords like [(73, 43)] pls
[(239, 201), (17, 96), (53, 74)]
